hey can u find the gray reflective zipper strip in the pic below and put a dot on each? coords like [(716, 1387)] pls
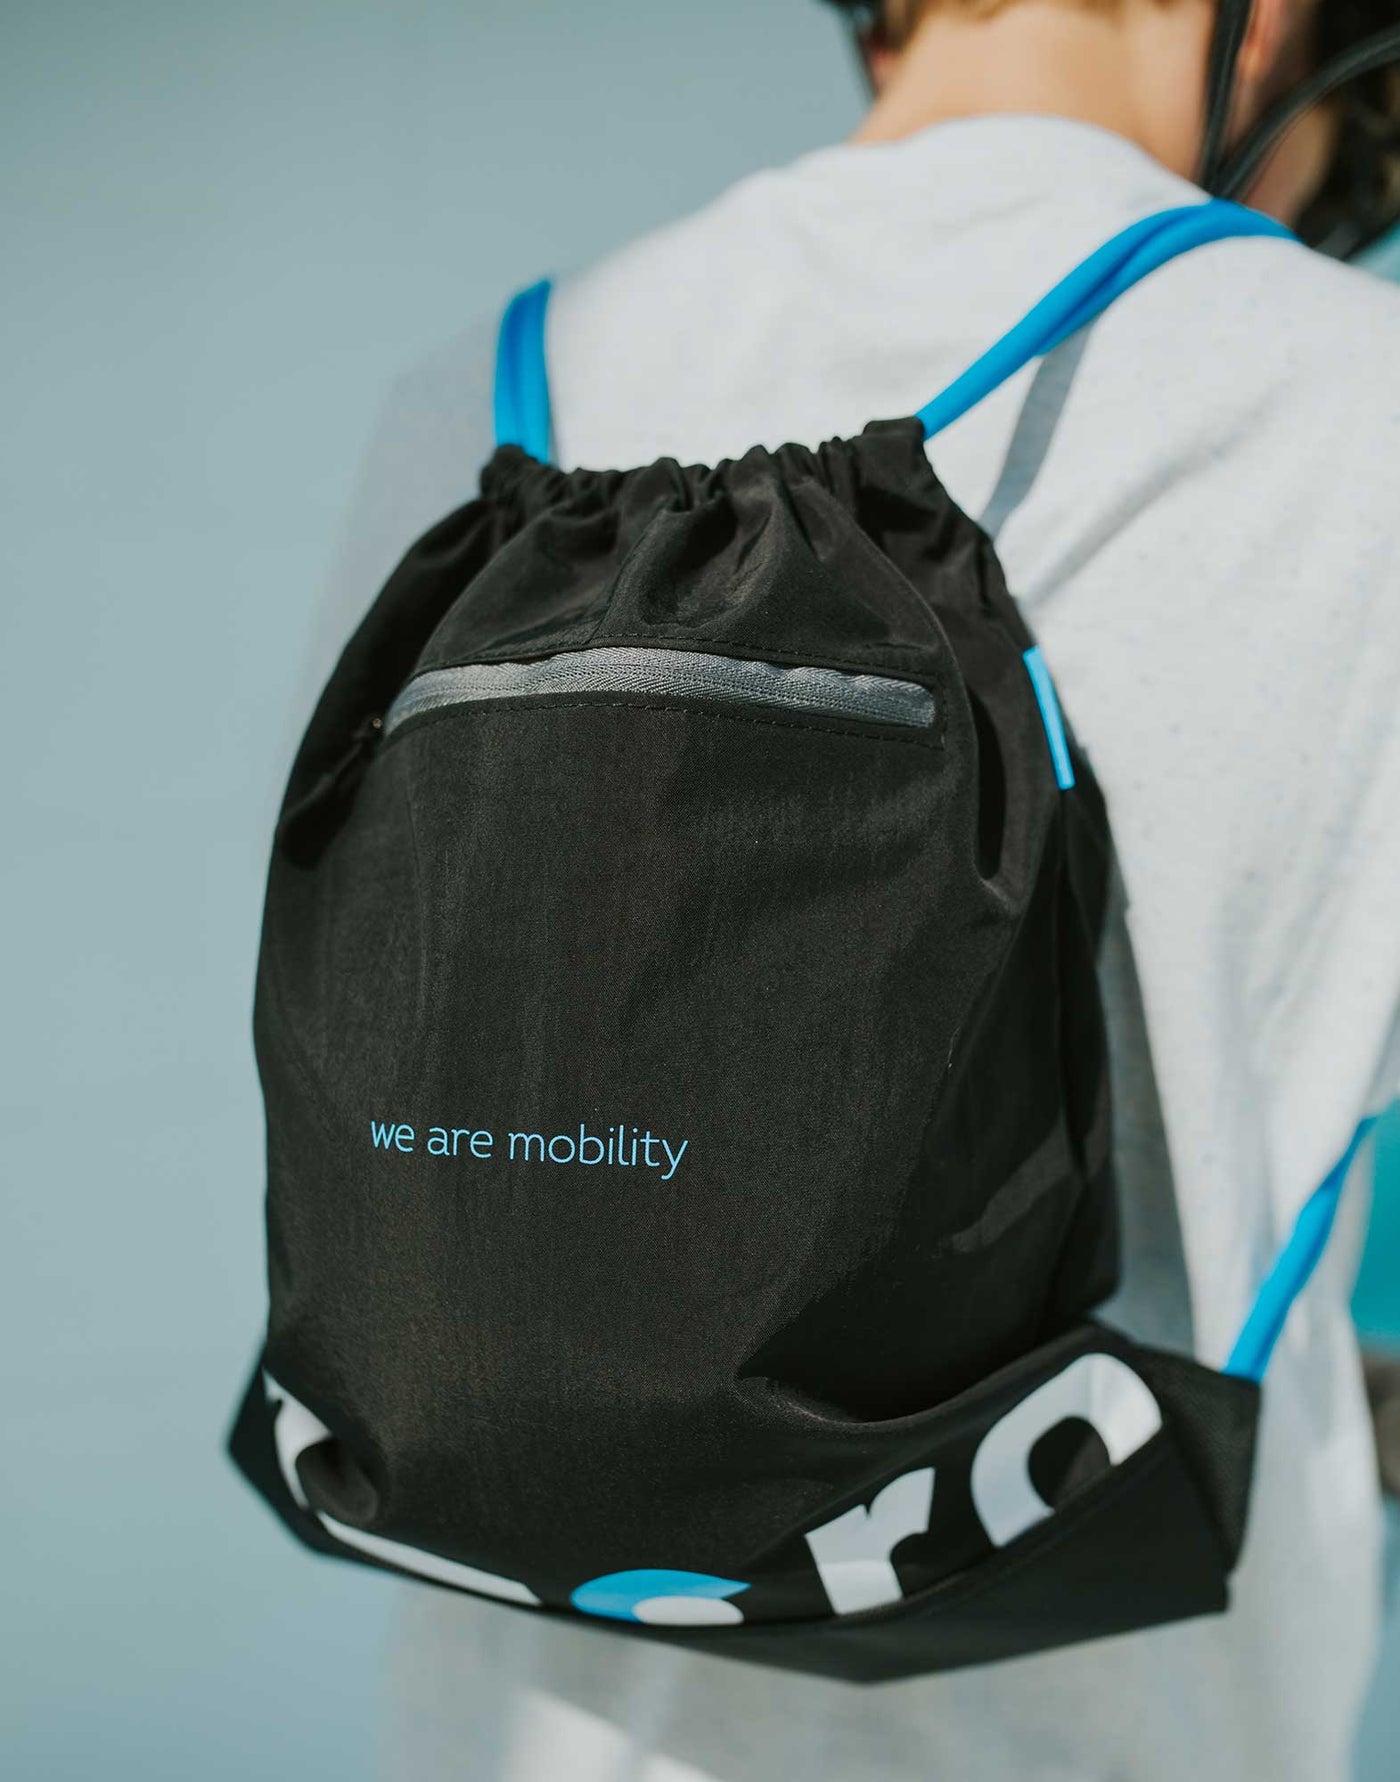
[(671, 674)]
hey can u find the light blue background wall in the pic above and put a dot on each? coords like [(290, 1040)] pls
[(224, 227)]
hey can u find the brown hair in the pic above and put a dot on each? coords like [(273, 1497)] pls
[(898, 18)]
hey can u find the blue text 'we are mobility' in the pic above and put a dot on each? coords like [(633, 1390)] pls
[(618, 1147)]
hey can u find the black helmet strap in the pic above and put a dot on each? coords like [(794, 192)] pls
[(1236, 173), (1231, 24)]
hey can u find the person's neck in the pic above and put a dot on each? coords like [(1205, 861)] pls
[(1037, 57)]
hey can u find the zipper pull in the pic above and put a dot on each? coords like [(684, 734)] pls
[(307, 825)]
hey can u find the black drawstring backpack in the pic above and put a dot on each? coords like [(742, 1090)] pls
[(689, 1165)]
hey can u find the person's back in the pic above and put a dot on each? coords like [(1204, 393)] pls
[(1195, 504)]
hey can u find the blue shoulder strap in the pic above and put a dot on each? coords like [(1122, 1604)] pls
[(1088, 291), (522, 379), (1293, 1267)]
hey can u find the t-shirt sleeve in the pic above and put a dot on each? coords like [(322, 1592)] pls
[(1386, 1090), (1327, 938)]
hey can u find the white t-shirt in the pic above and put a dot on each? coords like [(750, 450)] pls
[(1198, 505)]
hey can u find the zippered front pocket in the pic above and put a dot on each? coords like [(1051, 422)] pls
[(680, 674)]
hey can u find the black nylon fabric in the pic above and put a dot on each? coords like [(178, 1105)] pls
[(831, 983), (1142, 1543)]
